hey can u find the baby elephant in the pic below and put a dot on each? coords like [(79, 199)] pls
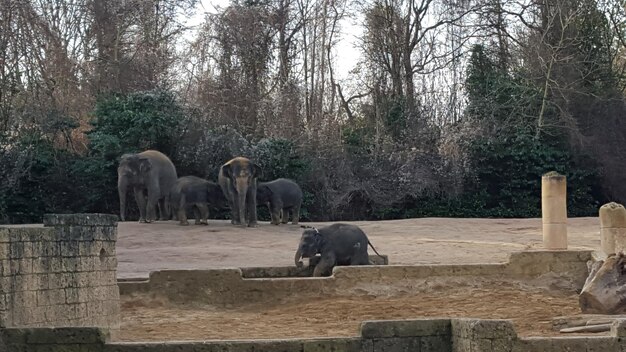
[(281, 196), (192, 191), (338, 244)]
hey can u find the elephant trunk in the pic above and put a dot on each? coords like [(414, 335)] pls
[(297, 257), (242, 190)]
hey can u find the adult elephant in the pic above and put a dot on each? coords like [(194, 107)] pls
[(151, 175), (238, 179)]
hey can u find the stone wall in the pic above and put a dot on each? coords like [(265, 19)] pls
[(424, 335), (563, 270), (63, 274)]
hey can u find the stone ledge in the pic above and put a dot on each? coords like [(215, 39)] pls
[(54, 335), (405, 328), (483, 328), (93, 219)]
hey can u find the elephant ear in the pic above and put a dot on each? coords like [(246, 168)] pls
[(227, 171), (257, 171), (125, 157), (144, 165), (319, 239)]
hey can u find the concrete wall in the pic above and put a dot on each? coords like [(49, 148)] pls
[(563, 270), (423, 335), (63, 274)]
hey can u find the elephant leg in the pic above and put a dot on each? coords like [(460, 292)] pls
[(182, 216), (284, 215), (275, 214), (325, 265), (202, 214), (151, 207), (360, 259), (295, 216), (141, 203), (162, 210), (122, 195), (234, 209), (169, 214), (250, 207)]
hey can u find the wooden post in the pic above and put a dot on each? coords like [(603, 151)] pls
[(554, 210), (612, 228)]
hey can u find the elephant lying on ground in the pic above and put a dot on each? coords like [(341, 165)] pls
[(338, 244), (238, 179), (196, 192), (151, 175), (281, 196)]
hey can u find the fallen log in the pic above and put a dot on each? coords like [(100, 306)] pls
[(588, 328)]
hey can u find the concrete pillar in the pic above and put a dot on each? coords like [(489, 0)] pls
[(554, 210), (612, 228)]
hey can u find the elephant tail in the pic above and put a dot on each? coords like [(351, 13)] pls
[(375, 251)]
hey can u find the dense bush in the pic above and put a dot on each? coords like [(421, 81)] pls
[(44, 183), (346, 181)]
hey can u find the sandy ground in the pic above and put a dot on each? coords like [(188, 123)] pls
[(531, 312), (142, 248)]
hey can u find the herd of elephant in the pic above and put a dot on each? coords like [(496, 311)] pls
[(153, 178)]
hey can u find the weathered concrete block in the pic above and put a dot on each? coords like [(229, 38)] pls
[(70, 264), (28, 316), (618, 328), (4, 302), (87, 264), (105, 233), (69, 248), (327, 345), (72, 295), (504, 345), (482, 345), (16, 250), (67, 336), (483, 329), (42, 278), (397, 344), (5, 268), (108, 277), (13, 335), (22, 299), (440, 343), (105, 264), (4, 235), (407, 328), (77, 312), (602, 344), (22, 266), (23, 283), (93, 219), (60, 280), (50, 297), (6, 318), (4, 250), (570, 344)]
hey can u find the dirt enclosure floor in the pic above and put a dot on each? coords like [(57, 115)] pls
[(531, 313), (142, 248), (165, 245)]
